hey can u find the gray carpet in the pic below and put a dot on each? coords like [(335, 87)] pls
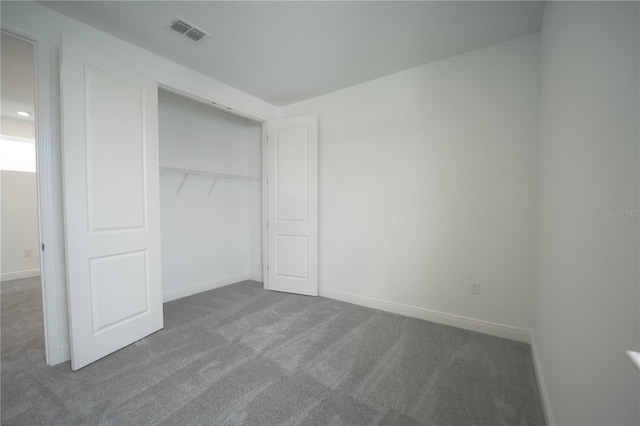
[(242, 355)]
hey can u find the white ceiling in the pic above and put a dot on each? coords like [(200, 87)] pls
[(284, 52), (17, 77)]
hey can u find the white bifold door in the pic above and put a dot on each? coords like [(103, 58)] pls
[(111, 200), (292, 205)]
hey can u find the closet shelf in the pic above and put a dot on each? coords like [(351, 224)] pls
[(214, 175)]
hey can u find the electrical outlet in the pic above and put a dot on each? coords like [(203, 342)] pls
[(26, 253), (474, 287)]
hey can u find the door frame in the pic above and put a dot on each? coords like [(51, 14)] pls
[(265, 205), (50, 228)]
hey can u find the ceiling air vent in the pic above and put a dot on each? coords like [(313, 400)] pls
[(195, 34), (187, 29)]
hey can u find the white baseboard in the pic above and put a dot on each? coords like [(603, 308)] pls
[(199, 288), (486, 327), (29, 273), (542, 386)]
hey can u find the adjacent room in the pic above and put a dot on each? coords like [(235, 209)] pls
[(371, 212), (20, 284)]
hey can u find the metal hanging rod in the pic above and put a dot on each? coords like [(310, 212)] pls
[(214, 175)]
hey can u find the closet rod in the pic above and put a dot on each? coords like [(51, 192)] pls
[(207, 173)]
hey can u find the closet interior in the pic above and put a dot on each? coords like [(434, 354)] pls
[(210, 196)]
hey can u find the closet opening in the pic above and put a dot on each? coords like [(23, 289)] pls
[(210, 196)]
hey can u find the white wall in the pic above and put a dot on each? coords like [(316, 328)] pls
[(428, 181), (207, 240), (587, 309), (18, 128), (18, 213), (19, 222), (42, 24)]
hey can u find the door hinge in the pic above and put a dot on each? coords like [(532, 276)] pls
[(42, 246)]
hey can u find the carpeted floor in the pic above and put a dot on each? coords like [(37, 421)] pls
[(242, 355)]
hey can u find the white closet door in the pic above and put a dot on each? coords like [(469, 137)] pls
[(112, 210), (292, 222)]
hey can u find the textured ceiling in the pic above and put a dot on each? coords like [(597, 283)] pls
[(17, 82), (284, 52)]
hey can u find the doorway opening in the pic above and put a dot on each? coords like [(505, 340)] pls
[(23, 333)]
